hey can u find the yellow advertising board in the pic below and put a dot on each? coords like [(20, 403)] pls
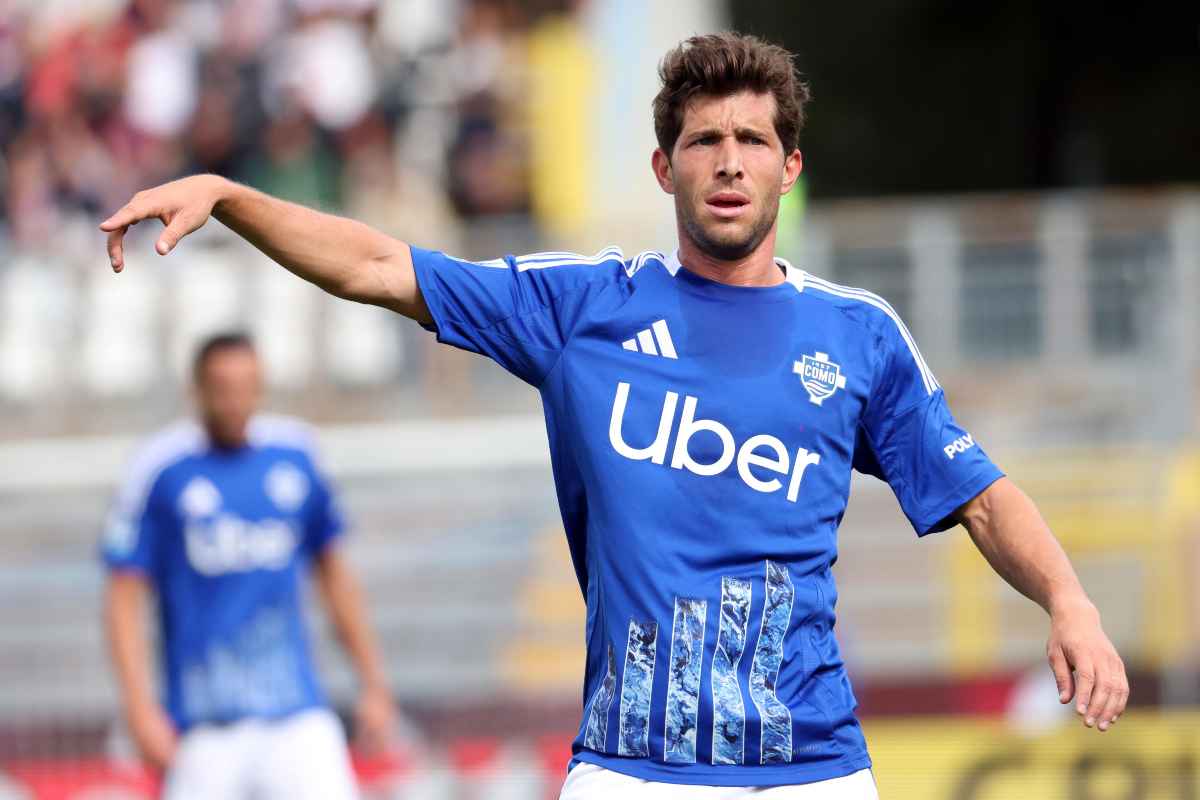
[(1145, 756)]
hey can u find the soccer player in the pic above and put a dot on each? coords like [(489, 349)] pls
[(222, 518), (705, 408)]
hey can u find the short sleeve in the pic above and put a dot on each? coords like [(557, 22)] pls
[(909, 438), (519, 311), (135, 524), (323, 522)]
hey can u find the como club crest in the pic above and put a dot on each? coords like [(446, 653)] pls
[(819, 376)]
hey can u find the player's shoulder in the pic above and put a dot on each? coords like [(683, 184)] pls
[(648, 262), (860, 305), (166, 448), (876, 314), (564, 269), (606, 265), (282, 432)]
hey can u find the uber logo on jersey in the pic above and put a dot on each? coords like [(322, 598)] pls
[(766, 453), (819, 376)]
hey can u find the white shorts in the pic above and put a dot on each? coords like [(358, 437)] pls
[(300, 757), (590, 782)]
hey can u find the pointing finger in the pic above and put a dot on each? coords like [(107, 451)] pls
[(116, 249), (125, 217)]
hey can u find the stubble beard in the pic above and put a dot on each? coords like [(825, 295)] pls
[(724, 249)]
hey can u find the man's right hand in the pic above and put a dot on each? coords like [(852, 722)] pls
[(154, 734), (182, 206)]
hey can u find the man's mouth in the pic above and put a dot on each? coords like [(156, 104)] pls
[(727, 205)]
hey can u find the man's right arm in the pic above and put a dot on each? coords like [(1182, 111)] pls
[(342, 256), (124, 614)]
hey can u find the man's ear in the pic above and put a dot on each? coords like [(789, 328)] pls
[(661, 164), (793, 165)]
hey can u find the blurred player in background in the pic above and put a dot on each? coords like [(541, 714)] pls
[(221, 519), (705, 410)]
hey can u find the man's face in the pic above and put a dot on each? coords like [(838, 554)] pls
[(228, 392), (727, 172)]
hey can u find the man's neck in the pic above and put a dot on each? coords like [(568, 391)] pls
[(757, 268), (226, 442)]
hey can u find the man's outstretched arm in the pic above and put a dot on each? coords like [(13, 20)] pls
[(344, 257), (1012, 535)]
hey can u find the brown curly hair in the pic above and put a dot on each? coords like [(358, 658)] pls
[(726, 63)]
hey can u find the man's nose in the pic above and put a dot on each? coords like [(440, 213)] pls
[(729, 159)]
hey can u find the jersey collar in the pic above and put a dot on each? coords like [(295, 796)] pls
[(791, 274)]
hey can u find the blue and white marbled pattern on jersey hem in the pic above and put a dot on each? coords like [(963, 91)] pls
[(776, 740), (729, 712), (637, 683), (255, 673), (683, 684), (596, 735)]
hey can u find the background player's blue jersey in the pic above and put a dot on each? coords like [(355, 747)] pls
[(703, 437), (225, 537)]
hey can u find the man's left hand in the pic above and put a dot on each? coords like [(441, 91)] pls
[(1077, 643), (375, 720)]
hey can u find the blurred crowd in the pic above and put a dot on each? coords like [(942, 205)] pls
[(406, 113)]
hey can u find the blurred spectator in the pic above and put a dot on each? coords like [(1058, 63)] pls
[(31, 206), (487, 167), (387, 194), (324, 65), (327, 102), (213, 139), (486, 163), (12, 72), (295, 163), (161, 80)]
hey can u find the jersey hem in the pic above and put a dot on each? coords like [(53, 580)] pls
[(732, 775), (114, 567), (185, 725)]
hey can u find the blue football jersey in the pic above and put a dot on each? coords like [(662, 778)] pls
[(702, 438), (225, 537)]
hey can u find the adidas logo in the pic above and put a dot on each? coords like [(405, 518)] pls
[(653, 341)]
